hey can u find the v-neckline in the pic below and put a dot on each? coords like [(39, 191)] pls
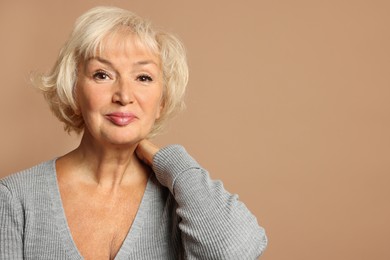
[(64, 230)]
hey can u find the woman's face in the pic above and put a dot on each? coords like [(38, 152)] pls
[(119, 92)]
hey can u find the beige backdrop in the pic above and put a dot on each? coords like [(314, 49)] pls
[(288, 104)]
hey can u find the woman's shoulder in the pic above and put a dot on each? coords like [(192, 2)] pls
[(28, 178)]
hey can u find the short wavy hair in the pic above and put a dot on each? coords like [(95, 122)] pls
[(58, 86)]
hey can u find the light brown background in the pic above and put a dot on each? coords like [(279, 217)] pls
[(288, 104)]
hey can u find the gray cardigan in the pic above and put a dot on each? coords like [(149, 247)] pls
[(183, 215)]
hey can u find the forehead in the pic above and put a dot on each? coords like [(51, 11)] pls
[(125, 42)]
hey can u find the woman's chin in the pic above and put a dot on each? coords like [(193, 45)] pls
[(127, 140), (116, 138)]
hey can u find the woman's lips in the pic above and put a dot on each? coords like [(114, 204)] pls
[(121, 119)]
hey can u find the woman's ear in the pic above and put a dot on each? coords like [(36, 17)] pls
[(76, 109), (160, 109)]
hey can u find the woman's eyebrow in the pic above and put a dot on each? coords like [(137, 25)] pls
[(137, 63), (146, 62), (99, 59)]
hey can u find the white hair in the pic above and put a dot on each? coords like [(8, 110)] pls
[(86, 40)]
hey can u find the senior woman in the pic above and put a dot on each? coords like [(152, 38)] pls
[(118, 196)]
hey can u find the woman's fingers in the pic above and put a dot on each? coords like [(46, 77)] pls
[(146, 151)]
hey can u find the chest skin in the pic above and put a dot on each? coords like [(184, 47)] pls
[(99, 220)]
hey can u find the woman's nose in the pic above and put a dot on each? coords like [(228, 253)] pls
[(123, 93)]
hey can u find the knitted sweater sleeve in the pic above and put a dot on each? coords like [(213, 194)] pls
[(11, 223), (214, 223)]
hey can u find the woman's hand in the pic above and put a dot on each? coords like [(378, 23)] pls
[(146, 151)]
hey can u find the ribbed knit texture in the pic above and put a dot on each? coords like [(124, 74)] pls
[(183, 215)]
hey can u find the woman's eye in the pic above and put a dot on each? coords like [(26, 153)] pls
[(100, 75), (144, 78)]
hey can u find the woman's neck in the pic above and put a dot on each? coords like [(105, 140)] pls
[(107, 166)]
